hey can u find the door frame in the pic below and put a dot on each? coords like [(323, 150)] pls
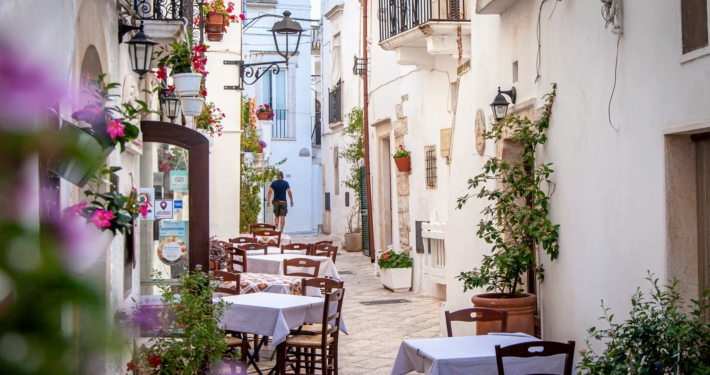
[(199, 181)]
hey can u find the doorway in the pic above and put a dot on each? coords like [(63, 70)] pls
[(702, 152), (386, 192)]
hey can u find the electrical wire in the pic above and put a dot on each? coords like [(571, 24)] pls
[(616, 68)]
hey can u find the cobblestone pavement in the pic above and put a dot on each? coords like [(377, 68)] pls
[(375, 332)]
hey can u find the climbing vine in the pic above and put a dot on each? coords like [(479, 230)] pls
[(354, 154), (516, 221)]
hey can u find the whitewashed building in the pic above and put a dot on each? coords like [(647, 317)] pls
[(288, 92)]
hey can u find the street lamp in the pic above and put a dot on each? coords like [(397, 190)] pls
[(170, 104), (139, 47), (500, 104), (287, 27)]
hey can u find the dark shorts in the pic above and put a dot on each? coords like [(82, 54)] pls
[(280, 209)]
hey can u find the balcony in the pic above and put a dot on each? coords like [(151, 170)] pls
[(419, 29), (280, 127), (316, 39), (335, 116), (163, 19)]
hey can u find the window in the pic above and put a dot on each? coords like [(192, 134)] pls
[(274, 93), (430, 152), (694, 19), (334, 99)]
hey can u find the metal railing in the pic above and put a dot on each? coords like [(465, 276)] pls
[(279, 129), (163, 9), (316, 38), (398, 16), (335, 103), (316, 133)]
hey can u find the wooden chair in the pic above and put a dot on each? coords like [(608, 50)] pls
[(225, 277), (295, 248), (306, 347), (326, 285), (263, 237), (233, 252), (254, 246), (241, 240), (549, 348), (313, 245), (301, 263), (261, 226), (232, 339), (325, 250), (477, 314)]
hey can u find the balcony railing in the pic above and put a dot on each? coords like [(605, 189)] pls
[(316, 133), (316, 38), (335, 104), (280, 127), (398, 16), (167, 10)]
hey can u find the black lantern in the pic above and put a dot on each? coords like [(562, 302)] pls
[(500, 104), (287, 27), (170, 104), (141, 51)]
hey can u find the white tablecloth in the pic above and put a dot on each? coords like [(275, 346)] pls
[(470, 355), (273, 264), (275, 250), (270, 314), (285, 238)]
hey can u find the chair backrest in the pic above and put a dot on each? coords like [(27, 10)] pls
[(268, 237), (313, 245), (325, 284), (300, 264), (331, 319), (325, 250), (261, 226), (225, 277), (295, 246), (237, 257), (477, 314), (254, 246), (540, 349), (241, 240)]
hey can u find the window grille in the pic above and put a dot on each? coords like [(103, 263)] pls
[(430, 167)]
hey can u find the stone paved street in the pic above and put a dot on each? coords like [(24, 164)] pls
[(375, 331)]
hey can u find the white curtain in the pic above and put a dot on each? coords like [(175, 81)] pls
[(336, 63)]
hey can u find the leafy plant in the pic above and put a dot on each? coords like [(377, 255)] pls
[(190, 338), (401, 153), (110, 125), (266, 108), (217, 6), (354, 155), (181, 57), (658, 330), (110, 210), (392, 259), (210, 119), (516, 221)]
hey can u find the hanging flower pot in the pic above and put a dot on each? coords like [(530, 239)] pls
[(187, 84), (191, 106), (215, 37), (207, 135), (215, 22), (78, 169), (263, 116), (403, 164)]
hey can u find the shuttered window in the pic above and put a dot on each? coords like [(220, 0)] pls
[(695, 24)]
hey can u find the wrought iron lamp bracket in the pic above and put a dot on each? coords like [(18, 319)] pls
[(250, 73)]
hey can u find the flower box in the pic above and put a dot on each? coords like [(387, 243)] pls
[(187, 84), (79, 169), (397, 280), (403, 164)]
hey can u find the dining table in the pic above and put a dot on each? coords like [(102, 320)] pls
[(275, 250), (250, 282), (470, 355), (273, 264)]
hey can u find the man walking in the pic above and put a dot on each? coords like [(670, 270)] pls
[(279, 188)]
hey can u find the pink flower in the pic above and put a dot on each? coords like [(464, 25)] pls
[(77, 209), (242, 17), (115, 129), (102, 219), (144, 210)]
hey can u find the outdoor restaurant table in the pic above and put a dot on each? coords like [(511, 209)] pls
[(470, 355), (273, 315), (275, 250), (261, 282), (273, 264), (285, 238)]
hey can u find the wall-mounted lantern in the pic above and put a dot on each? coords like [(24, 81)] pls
[(139, 47), (170, 104), (500, 104)]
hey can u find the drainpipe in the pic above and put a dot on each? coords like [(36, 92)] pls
[(366, 129)]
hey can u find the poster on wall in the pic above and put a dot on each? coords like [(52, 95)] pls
[(179, 180), (163, 209), (172, 250), (147, 196)]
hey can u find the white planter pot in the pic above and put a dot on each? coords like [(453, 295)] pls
[(396, 279), (87, 245), (207, 135), (191, 106), (187, 84)]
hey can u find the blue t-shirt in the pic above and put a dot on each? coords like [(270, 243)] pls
[(280, 187)]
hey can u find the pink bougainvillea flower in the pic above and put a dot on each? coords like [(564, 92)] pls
[(115, 129), (242, 16), (77, 209), (102, 219), (144, 210)]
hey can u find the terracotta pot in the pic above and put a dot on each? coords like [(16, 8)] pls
[(403, 164), (215, 37), (521, 311), (215, 23), (262, 115)]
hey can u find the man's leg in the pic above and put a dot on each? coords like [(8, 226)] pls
[(283, 222)]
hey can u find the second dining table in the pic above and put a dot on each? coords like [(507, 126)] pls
[(273, 264)]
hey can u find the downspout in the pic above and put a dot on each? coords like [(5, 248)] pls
[(366, 129)]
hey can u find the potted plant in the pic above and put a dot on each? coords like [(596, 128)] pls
[(516, 222), (262, 146), (187, 65), (264, 112), (402, 159), (219, 18), (396, 269), (659, 332), (189, 340), (354, 154), (108, 126), (209, 121)]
